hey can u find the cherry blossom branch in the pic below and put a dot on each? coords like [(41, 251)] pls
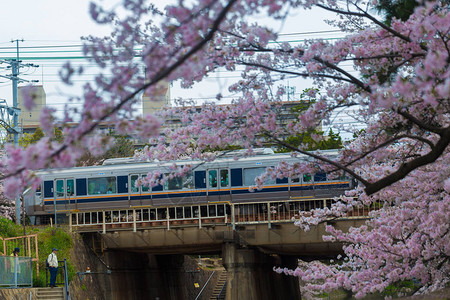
[(406, 168), (163, 74), (318, 157), (387, 143), (295, 73), (406, 115), (370, 17)]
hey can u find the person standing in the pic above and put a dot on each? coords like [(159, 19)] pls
[(15, 268), (52, 261)]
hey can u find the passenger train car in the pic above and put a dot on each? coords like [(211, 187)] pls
[(115, 185)]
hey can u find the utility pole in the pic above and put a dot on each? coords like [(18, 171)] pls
[(17, 130), (15, 79), (290, 92), (15, 65)]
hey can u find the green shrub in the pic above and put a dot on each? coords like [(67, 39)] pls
[(48, 238), (52, 237), (9, 229)]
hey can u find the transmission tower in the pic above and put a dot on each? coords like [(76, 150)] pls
[(14, 65)]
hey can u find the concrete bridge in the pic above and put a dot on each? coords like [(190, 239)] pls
[(251, 238)]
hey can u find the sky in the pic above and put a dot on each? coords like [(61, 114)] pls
[(62, 23)]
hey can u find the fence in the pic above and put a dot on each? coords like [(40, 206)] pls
[(27, 244), (16, 271), (210, 214)]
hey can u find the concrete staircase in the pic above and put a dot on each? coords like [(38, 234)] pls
[(56, 293), (221, 283)]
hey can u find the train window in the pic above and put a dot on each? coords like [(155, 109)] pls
[(307, 177), (320, 177), (342, 176), (144, 188), (102, 185), (188, 181), (224, 178), (59, 188), (251, 173), (175, 183), (134, 183), (38, 190), (212, 178), (70, 187)]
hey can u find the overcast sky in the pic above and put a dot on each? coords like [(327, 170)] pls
[(63, 22)]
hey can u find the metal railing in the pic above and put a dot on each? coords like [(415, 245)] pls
[(66, 282), (204, 286), (60, 275), (222, 290), (27, 244), (268, 212), (147, 216), (16, 271)]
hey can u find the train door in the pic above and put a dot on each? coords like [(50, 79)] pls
[(308, 184), (64, 192), (134, 193), (218, 185), (137, 191)]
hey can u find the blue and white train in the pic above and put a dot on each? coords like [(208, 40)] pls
[(115, 185)]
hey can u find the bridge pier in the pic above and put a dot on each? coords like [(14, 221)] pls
[(145, 276), (250, 275)]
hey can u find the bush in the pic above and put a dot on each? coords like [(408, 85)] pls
[(9, 229), (50, 238)]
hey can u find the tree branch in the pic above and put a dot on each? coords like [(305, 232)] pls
[(318, 157), (406, 168), (409, 117), (388, 142), (296, 73), (370, 17)]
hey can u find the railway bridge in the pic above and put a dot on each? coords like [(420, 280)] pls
[(251, 239)]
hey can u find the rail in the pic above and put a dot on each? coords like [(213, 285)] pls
[(211, 214), (27, 244), (221, 290), (66, 282), (61, 277), (204, 286)]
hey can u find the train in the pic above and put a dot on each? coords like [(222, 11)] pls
[(115, 185)]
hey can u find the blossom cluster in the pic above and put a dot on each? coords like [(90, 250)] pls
[(400, 88)]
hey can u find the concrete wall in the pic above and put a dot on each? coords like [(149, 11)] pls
[(18, 294)]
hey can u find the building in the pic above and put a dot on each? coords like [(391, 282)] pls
[(29, 120), (158, 100)]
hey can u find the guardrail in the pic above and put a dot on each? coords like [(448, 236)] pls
[(16, 271), (27, 244), (224, 213)]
